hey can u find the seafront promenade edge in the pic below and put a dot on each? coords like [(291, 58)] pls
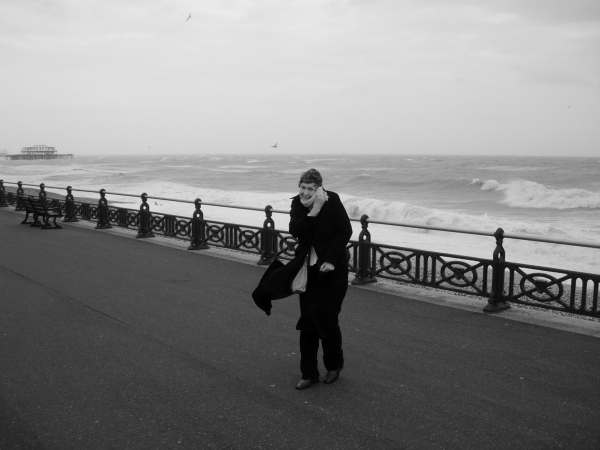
[(113, 342), (499, 281), (589, 326)]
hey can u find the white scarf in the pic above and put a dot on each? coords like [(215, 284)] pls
[(307, 203), (312, 254)]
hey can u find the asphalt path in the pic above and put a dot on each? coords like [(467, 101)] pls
[(108, 342)]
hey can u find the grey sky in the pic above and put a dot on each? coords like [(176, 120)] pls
[(328, 76)]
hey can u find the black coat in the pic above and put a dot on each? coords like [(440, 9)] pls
[(275, 283), (328, 233)]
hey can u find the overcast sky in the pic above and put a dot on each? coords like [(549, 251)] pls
[(316, 76)]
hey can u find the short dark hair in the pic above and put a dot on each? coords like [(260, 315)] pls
[(311, 176)]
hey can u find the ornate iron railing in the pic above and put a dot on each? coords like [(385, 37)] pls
[(496, 279)]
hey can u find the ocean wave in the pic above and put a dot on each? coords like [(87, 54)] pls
[(487, 185), (72, 174), (393, 211), (313, 160), (241, 167), (534, 253), (188, 193), (371, 169), (376, 209), (529, 194), (231, 170), (507, 168)]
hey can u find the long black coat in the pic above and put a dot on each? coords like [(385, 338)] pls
[(328, 232)]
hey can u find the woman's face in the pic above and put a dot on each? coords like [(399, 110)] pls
[(307, 190)]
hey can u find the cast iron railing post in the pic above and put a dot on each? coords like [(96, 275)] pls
[(122, 217), (198, 231), (11, 197), (145, 219), (42, 194), (70, 209), (364, 271), (169, 225), (20, 197), (2, 195), (86, 211), (497, 302), (102, 212), (268, 241)]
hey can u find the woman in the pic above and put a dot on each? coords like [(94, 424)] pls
[(320, 223)]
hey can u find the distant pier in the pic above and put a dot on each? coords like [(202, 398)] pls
[(39, 152)]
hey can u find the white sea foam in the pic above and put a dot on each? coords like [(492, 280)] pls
[(390, 211), (231, 170), (242, 166), (151, 177), (507, 168), (375, 169), (477, 246), (289, 172), (404, 212), (314, 160), (518, 251), (527, 252), (33, 173), (529, 194), (487, 185)]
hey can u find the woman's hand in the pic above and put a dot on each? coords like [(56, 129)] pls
[(320, 198), (326, 267)]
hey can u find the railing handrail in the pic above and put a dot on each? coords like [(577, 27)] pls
[(378, 222)]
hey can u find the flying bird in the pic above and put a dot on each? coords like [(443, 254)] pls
[(188, 17), (275, 145)]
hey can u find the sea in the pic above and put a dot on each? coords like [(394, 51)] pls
[(543, 197)]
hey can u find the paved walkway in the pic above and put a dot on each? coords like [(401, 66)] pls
[(107, 342)]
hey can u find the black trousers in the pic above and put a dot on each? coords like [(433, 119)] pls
[(320, 306)]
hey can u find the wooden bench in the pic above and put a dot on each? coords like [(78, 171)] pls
[(39, 209)]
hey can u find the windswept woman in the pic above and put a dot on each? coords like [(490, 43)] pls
[(321, 225)]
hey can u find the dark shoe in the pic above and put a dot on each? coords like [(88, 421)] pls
[(332, 376), (306, 383)]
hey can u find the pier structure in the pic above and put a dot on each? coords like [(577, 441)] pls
[(39, 152)]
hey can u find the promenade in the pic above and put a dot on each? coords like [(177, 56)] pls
[(108, 342)]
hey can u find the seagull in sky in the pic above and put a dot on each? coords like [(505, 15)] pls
[(188, 17), (275, 145)]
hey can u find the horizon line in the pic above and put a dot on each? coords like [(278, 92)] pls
[(365, 155)]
